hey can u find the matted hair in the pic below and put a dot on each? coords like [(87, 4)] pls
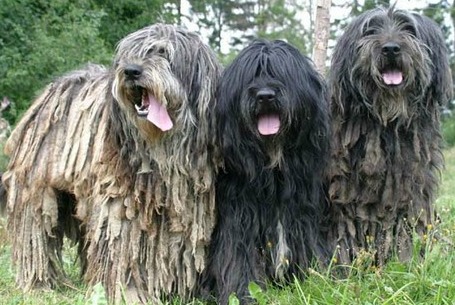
[(389, 78), (90, 160)]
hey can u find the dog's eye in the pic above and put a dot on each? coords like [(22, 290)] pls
[(161, 51), (410, 29), (369, 32)]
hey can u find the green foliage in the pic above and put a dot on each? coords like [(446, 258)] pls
[(210, 17), (275, 21), (448, 131), (63, 36), (257, 294), (42, 39), (233, 300), (123, 17), (98, 295), (246, 20)]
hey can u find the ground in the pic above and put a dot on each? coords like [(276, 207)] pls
[(428, 281)]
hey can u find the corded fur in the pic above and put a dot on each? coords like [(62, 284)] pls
[(269, 194), (387, 143), (138, 200)]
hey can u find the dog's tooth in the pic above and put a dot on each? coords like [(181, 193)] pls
[(140, 111)]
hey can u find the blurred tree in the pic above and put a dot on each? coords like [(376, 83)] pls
[(321, 34), (279, 19), (42, 39), (124, 16), (208, 15), (236, 22)]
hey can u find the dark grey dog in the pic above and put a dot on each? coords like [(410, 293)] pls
[(389, 77)]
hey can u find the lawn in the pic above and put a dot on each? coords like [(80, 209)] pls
[(428, 281)]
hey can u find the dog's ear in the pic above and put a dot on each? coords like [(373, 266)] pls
[(430, 34), (321, 118), (343, 59), (204, 75), (201, 80)]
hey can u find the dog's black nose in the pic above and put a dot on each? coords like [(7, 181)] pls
[(391, 49), (133, 71), (265, 94)]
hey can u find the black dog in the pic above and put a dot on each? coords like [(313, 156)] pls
[(272, 122)]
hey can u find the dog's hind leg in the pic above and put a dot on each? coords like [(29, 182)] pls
[(71, 227), (36, 241)]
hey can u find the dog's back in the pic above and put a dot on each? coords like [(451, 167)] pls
[(54, 131), (51, 151)]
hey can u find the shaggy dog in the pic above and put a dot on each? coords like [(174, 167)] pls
[(272, 123), (389, 78), (122, 161)]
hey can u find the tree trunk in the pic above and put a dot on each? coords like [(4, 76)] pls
[(322, 31)]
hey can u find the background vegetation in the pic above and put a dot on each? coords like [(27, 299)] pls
[(40, 39)]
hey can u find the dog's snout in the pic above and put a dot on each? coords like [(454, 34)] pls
[(133, 71), (391, 49), (265, 94)]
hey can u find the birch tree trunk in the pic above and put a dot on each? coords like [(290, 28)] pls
[(322, 32)]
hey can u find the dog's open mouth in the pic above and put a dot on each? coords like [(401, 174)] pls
[(149, 107), (392, 77), (269, 123)]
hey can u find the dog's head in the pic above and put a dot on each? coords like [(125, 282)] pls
[(165, 77), (270, 98), (389, 56), (390, 51), (272, 87)]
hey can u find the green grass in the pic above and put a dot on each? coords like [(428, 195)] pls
[(419, 282)]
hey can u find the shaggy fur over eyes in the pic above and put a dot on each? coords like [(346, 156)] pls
[(122, 161), (389, 78)]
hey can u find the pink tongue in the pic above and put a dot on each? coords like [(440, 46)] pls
[(268, 124), (392, 77), (158, 115)]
